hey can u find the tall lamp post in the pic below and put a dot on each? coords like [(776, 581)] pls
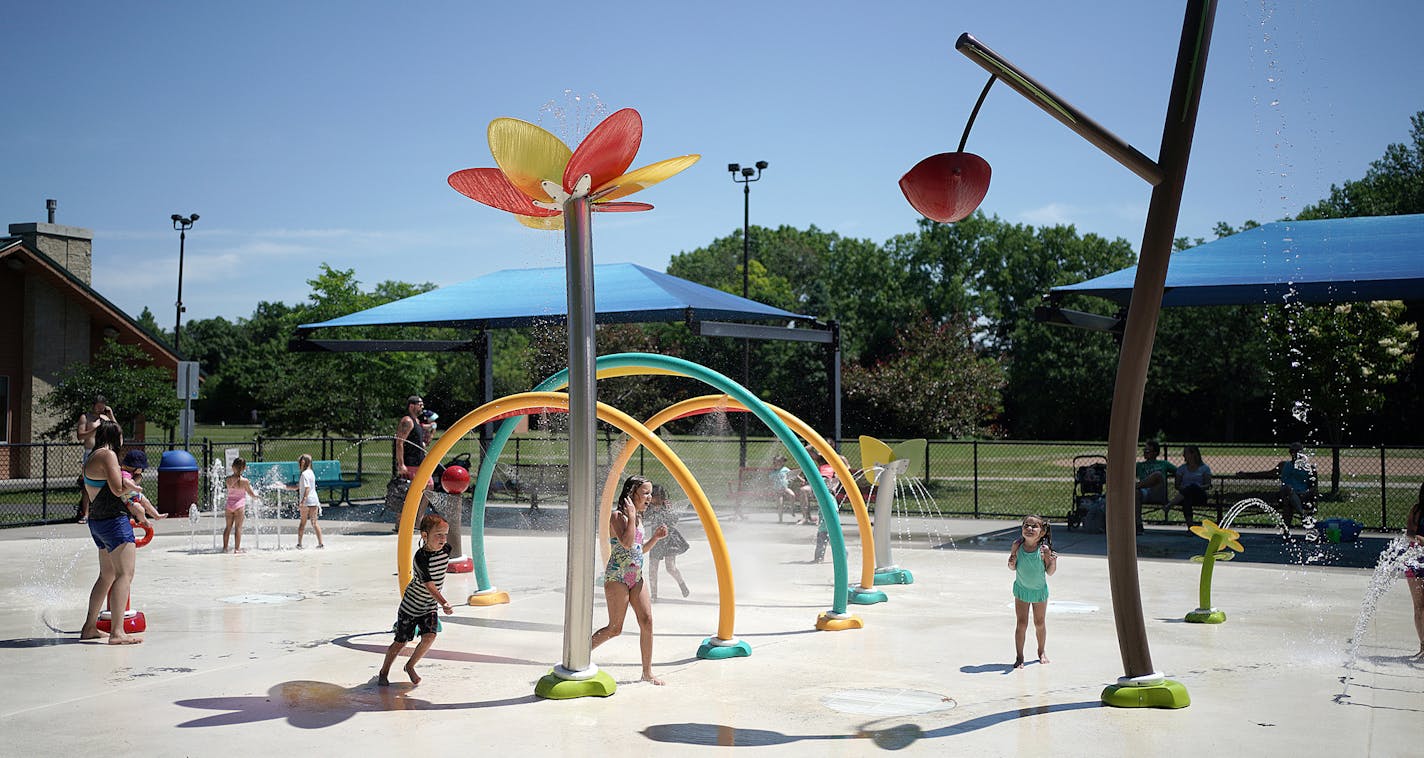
[(745, 177), (182, 224)]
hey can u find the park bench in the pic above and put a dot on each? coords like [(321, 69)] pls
[(329, 477)]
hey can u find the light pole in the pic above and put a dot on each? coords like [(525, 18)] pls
[(745, 177), (182, 225)]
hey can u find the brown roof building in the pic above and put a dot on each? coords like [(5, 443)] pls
[(51, 317)]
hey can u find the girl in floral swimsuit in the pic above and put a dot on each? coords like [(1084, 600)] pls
[(623, 578)]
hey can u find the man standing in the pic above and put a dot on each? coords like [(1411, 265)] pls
[(84, 432), (412, 437)]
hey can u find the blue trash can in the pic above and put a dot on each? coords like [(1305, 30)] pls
[(177, 483)]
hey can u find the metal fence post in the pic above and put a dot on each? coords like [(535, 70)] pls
[(976, 478), (44, 482), (1384, 493)]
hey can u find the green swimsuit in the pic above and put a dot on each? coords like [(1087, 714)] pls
[(1030, 577)]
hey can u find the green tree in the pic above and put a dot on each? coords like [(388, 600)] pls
[(150, 325), (341, 393), (124, 374), (1332, 363), (1393, 185), (935, 384)]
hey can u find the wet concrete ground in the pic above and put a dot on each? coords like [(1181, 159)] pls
[(276, 650)]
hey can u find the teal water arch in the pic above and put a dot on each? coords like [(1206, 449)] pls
[(676, 366)]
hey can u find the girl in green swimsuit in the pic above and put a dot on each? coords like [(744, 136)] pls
[(623, 583), (1032, 560)]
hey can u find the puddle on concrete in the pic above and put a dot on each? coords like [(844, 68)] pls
[(882, 702), (260, 599)]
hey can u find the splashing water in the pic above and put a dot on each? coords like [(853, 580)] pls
[(914, 501), (1292, 547), (1399, 554)]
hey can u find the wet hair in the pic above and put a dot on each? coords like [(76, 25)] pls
[(430, 521), (304, 461), (109, 435), (1047, 533), (630, 485), (101, 400), (238, 466)]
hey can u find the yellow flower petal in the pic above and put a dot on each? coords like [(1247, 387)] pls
[(527, 155), (1201, 531), (644, 177), (548, 223), (1210, 525), (873, 453), (1231, 534), (1234, 545)]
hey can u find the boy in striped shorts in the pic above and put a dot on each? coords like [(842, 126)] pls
[(421, 599)]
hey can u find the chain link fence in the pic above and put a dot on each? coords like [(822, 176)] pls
[(39, 482)]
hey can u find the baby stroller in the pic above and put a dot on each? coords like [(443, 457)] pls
[(1090, 476)]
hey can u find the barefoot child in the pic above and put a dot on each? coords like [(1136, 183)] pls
[(238, 490), (623, 584), (422, 597), (1032, 560), (307, 501), (660, 513)]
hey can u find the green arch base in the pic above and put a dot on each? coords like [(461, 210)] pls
[(894, 576), (710, 650), (1164, 693), (859, 596)]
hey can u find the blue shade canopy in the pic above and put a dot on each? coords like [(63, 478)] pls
[(1325, 261), (623, 293)]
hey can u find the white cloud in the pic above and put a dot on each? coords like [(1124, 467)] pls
[(1050, 215)]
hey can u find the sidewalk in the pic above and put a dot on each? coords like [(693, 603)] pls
[(275, 651)]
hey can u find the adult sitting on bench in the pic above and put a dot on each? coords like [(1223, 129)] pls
[(1298, 483), (1193, 483), (1152, 475)]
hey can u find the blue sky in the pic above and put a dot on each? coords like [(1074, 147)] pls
[(313, 132)]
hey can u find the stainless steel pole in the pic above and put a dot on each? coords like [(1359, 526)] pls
[(578, 595)]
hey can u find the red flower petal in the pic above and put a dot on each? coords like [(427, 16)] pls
[(624, 207), (489, 186), (608, 150), (947, 187)]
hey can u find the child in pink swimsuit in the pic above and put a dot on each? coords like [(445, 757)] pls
[(238, 490)]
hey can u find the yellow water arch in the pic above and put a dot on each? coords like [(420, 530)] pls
[(527, 402), (708, 402)]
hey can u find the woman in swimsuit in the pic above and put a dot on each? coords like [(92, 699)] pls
[(623, 578), (109, 509)]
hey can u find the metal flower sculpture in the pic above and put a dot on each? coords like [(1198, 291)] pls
[(1216, 538), (538, 173)]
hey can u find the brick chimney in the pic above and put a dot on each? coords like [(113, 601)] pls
[(69, 246)]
